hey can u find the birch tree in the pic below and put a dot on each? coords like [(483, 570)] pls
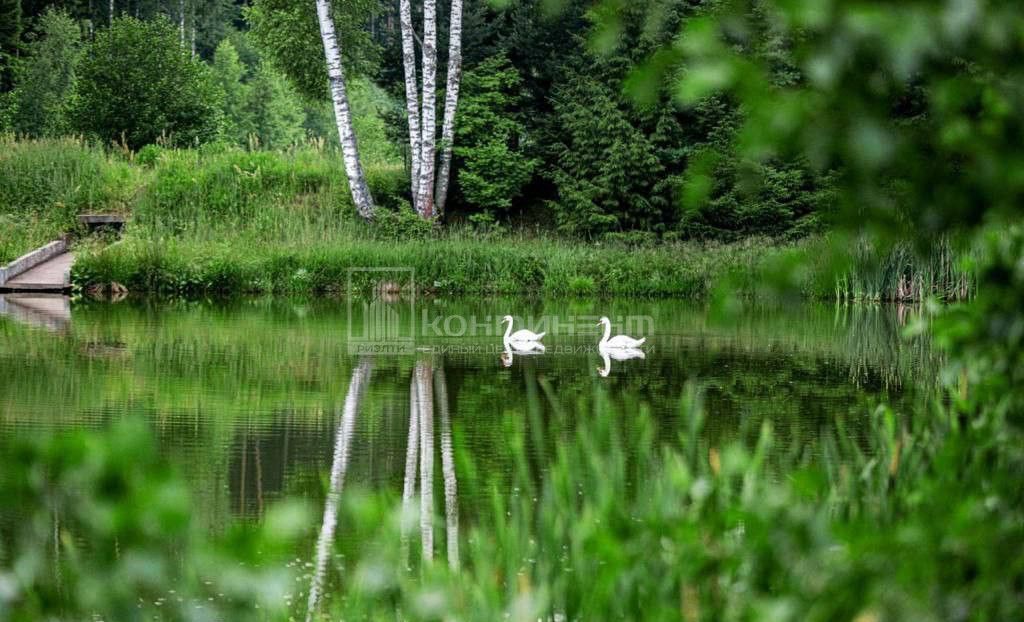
[(412, 98), (429, 194), (450, 104), (343, 114), (425, 200)]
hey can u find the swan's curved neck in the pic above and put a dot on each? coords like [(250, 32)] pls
[(607, 332), (508, 330)]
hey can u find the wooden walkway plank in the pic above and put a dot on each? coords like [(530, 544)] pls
[(51, 275)]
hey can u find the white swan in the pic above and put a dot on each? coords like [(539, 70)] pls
[(520, 335), (621, 354), (618, 342)]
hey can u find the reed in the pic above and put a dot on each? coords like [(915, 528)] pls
[(904, 274)]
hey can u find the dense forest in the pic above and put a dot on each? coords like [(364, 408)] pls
[(555, 126)]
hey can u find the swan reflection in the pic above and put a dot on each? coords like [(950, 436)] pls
[(522, 348), (617, 354)]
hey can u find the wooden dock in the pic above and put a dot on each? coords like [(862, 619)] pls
[(46, 269)]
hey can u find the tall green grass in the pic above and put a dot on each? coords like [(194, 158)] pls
[(45, 184), (454, 263), (223, 192)]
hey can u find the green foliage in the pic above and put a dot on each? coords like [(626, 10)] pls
[(920, 144), (288, 35), (596, 534), (47, 77), (258, 104), (228, 72), (401, 225), (276, 111), (371, 107), (987, 343), (10, 41), (137, 84), (605, 165), (491, 163), (213, 20), (149, 155), (105, 529)]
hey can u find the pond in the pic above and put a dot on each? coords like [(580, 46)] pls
[(248, 397)]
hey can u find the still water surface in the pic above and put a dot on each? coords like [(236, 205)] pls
[(247, 397)]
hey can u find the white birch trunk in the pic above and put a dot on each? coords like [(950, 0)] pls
[(451, 485), (181, 20), (412, 455), (339, 95), (110, 16), (451, 104), (425, 406), (426, 190), (412, 99), (342, 447)]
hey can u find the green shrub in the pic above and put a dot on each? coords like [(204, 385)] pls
[(401, 224), (138, 85), (128, 545), (149, 155)]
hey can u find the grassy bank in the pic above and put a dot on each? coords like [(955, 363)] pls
[(221, 220), (314, 258), (452, 264), (45, 184)]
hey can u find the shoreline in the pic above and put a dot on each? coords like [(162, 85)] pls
[(457, 264)]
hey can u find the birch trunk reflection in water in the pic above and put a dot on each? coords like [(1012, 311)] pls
[(425, 407), (342, 445), (419, 447), (451, 492), (411, 456)]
